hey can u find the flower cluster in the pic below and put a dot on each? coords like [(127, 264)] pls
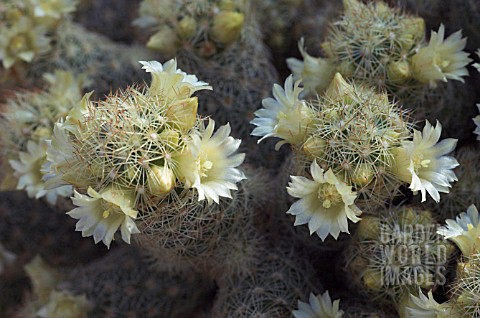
[(140, 147), (29, 119), (207, 27), (464, 231), (397, 254), (360, 148), (385, 47), (321, 306), (26, 26)]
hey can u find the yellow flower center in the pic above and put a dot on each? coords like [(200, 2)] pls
[(328, 194), (419, 161), (440, 62), (109, 209), (204, 165), (18, 43)]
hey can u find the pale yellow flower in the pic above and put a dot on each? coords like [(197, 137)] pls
[(28, 170), (62, 304), (315, 73), (424, 307), (464, 231), (441, 59), (320, 306), (101, 214), (476, 120), (424, 163), (209, 163), (325, 202), (170, 82), (22, 42), (43, 278), (52, 9), (285, 116)]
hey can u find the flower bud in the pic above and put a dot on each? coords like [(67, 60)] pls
[(339, 88), (165, 41), (372, 279), (183, 113), (314, 147), (227, 26), (186, 27), (161, 179), (363, 174), (398, 71), (368, 228)]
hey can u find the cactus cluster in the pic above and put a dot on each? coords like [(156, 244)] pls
[(396, 254), (212, 199), (384, 47), (360, 148), (206, 26)]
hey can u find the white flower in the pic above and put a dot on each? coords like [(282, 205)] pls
[(208, 164), (28, 170), (60, 168), (284, 116), (326, 202), (315, 73), (6, 258), (441, 59), (464, 231), (424, 164), (476, 120), (101, 214), (171, 82), (320, 306), (426, 307)]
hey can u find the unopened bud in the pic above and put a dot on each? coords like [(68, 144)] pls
[(227, 26)]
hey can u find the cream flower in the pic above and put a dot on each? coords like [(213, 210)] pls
[(423, 162), (28, 170), (476, 120), (60, 168), (101, 214), (464, 231), (171, 82), (315, 73), (441, 59), (62, 304), (284, 116), (52, 9), (425, 307), (43, 278), (209, 164), (22, 42), (326, 202), (320, 306)]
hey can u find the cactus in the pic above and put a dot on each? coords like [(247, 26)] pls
[(465, 191), (384, 47), (270, 290), (29, 118), (206, 26), (122, 284), (396, 254), (108, 66), (466, 288)]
